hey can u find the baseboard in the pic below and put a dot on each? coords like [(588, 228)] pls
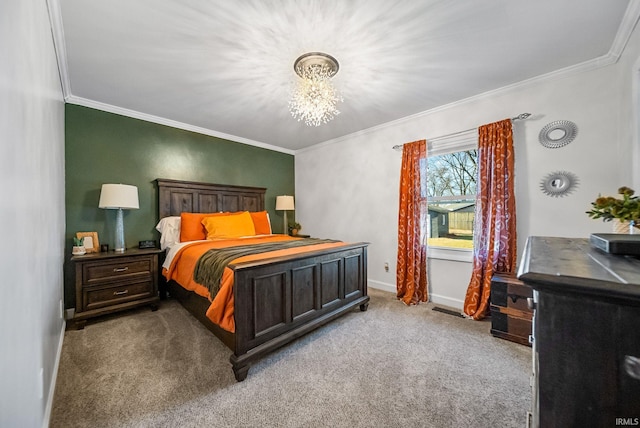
[(434, 298), (54, 379), (446, 301), (391, 288)]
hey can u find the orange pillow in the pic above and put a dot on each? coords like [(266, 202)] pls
[(229, 226), (191, 228), (261, 222)]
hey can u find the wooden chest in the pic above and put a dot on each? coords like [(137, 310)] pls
[(510, 313)]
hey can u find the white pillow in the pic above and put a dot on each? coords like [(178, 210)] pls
[(169, 228)]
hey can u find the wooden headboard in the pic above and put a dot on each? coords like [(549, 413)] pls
[(176, 196)]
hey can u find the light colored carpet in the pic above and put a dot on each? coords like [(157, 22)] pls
[(392, 366)]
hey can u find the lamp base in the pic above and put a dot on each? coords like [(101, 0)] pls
[(119, 247), (284, 229)]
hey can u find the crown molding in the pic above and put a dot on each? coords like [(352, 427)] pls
[(593, 64), (172, 123), (629, 21), (57, 31)]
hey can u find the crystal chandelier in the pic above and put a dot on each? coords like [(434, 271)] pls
[(314, 98)]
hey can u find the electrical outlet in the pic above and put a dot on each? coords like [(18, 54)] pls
[(61, 309), (386, 266)]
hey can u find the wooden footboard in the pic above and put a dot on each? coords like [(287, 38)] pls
[(280, 299)]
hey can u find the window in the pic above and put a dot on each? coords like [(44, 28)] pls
[(451, 192)]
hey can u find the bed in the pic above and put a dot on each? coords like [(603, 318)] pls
[(275, 299)]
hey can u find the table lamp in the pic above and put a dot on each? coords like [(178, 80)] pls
[(119, 197), (285, 203)]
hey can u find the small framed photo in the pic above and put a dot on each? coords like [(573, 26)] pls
[(91, 243)]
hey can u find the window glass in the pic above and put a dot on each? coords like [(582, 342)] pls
[(451, 189)]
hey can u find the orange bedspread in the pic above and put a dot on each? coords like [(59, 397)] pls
[(222, 306)]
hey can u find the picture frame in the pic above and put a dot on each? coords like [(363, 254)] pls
[(91, 243)]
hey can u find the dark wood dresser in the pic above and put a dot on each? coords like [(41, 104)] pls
[(111, 282), (586, 334)]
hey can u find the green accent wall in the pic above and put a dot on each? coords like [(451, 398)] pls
[(104, 147)]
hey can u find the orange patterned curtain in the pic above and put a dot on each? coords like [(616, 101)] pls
[(411, 269), (495, 219)]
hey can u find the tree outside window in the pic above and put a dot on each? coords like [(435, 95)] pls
[(451, 183)]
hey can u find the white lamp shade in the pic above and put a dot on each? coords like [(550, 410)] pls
[(114, 196), (284, 203)]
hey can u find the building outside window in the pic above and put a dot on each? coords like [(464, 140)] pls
[(451, 192)]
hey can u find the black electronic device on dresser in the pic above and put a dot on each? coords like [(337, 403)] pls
[(616, 243), (586, 333)]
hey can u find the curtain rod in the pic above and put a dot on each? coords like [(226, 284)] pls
[(521, 116)]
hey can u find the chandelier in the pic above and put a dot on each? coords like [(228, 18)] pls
[(314, 98)]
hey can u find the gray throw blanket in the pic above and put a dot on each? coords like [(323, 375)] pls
[(210, 266)]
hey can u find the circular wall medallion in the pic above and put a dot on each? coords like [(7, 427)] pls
[(558, 134), (559, 183)]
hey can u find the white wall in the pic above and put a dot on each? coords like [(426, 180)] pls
[(348, 189), (31, 213)]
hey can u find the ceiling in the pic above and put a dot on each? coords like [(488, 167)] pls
[(225, 68)]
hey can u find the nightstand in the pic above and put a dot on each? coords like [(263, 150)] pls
[(110, 282)]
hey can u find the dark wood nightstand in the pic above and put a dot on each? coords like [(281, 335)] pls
[(110, 282)]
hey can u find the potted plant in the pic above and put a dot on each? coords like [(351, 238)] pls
[(625, 210), (294, 228), (78, 246)]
